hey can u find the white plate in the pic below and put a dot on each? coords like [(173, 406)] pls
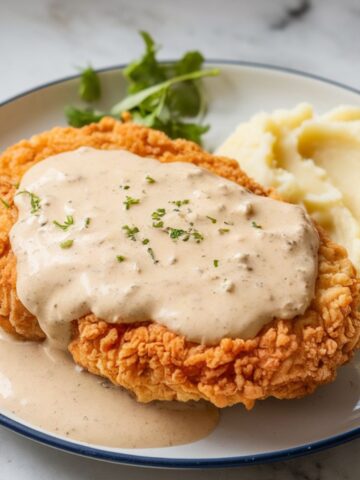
[(274, 429)]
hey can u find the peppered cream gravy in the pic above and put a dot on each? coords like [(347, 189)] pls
[(131, 239), (42, 386)]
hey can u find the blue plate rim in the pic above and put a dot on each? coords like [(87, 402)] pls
[(183, 463)]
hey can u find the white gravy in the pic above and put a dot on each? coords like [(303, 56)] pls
[(43, 387), (140, 240)]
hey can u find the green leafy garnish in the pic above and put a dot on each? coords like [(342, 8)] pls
[(255, 225), (130, 201), (145, 241), (152, 255), (68, 222), (77, 117), (131, 232), (89, 88), (120, 258), (34, 200), (87, 222), (160, 95), (216, 263), (224, 230), (67, 244), (156, 216), (149, 179), (4, 202), (212, 219)]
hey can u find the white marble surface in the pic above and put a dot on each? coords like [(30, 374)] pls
[(41, 40)]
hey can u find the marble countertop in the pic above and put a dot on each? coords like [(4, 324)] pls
[(42, 40)]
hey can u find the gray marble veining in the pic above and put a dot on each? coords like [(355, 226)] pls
[(41, 40)]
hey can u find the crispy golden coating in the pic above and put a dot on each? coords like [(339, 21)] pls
[(287, 359)]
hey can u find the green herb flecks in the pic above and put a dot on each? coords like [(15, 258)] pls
[(129, 202), (34, 200), (131, 232), (4, 202), (66, 244), (152, 255), (149, 179), (157, 217), (87, 222), (185, 235), (222, 231), (197, 236), (216, 263), (120, 258), (212, 219), (145, 241), (180, 203), (176, 233), (255, 225), (158, 224), (165, 96), (67, 224)]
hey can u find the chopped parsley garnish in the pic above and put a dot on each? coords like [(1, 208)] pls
[(224, 230), (255, 225), (66, 244), (185, 235), (130, 201), (67, 224), (34, 200), (216, 263), (165, 96), (131, 232), (4, 202), (229, 223), (176, 233), (212, 220), (120, 258), (157, 217), (179, 203), (126, 187), (17, 185), (87, 222), (145, 241), (158, 224), (197, 236), (152, 255), (149, 179)]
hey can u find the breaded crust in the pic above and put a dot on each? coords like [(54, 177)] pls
[(287, 359)]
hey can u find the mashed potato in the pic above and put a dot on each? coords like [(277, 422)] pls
[(309, 159)]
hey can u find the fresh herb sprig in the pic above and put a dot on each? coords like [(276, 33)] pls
[(167, 97)]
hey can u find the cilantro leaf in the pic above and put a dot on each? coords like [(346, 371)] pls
[(78, 117), (89, 88), (146, 71), (132, 101), (190, 62)]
